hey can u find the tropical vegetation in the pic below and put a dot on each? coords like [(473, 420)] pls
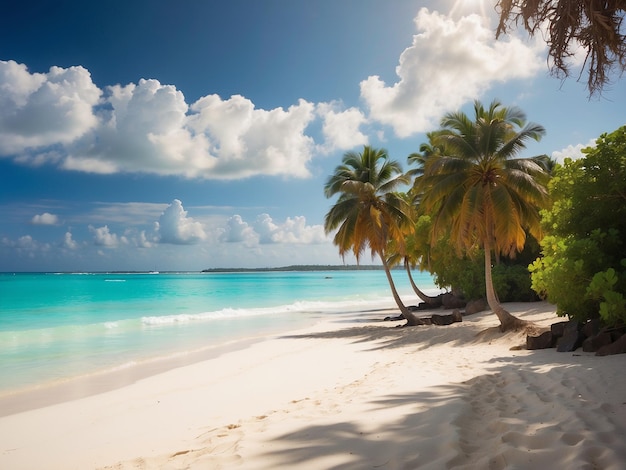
[(583, 264), (489, 224)]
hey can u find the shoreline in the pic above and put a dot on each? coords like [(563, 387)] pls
[(353, 392), (75, 388)]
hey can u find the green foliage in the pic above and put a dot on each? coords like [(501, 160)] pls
[(512, 283), (465, 275), (582, 268), (605, 287)]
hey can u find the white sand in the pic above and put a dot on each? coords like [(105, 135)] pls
[(348, 395)]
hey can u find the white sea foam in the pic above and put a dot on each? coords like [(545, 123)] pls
[(296, 307)]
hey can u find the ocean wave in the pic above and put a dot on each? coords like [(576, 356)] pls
[(304, 306)]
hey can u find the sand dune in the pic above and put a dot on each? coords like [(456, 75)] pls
[(356, 393)]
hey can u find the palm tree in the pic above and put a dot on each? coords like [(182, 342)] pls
[(368, 213), (430, 149), (411, 250), (480, 192)]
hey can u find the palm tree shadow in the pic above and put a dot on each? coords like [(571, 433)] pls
[(348, 445), (419, 337), (480, 423)]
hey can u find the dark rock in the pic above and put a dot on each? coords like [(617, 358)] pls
[(594, 343), (457, 316), (616, 333), (396, 318), (449, 301), (427, 320), (475, 306), (544, 341), (557, 329), (435, 304), (616, 347), (572, 338), (591, 328), (442, 320)]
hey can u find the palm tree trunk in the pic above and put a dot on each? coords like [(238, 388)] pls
[(507, 321), (423, 297), (411, 319)]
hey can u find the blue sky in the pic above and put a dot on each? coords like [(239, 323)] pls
[(188, 135)]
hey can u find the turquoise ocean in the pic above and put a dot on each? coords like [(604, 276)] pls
[(59, 326)]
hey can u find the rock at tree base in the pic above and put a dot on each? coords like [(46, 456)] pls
[(557, 329), (449, 301), (544, 341), (475, 306), (591, 328), (572, 338), (443, 320), (594, 343), (617, 347)]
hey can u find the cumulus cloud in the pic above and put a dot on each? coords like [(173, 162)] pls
[(69, 242), (44, 109), (292, 231), (238, 231), (341, 127), (26, 245), (449, 63), (174, 226), (572, 151), (146, 127), (102, 236), (45, 219), (247, 141)]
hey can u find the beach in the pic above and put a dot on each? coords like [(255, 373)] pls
[(348, 392)]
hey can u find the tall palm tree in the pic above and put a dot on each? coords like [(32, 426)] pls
[(368, 213), (480, 192)]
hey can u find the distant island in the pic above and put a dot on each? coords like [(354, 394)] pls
[(304, 267)]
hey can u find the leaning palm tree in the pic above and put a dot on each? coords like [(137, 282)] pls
[(410, 249), (481, 193), (368, 213)]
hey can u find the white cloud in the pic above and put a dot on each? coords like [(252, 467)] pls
[(68, 242), (142, 240), (292, 231), (175, 227), (245, 141), (238, 231), (128, 213), (45, 219), (26, 245), (449, 63), (572, 151), (341, 128), (102, 236), (148, 127), (39, 110)]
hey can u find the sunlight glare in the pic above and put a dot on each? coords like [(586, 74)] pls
[(466, 7)]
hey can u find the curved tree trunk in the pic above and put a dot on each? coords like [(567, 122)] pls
[(507, 321), (411, 319), (423, 297)]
